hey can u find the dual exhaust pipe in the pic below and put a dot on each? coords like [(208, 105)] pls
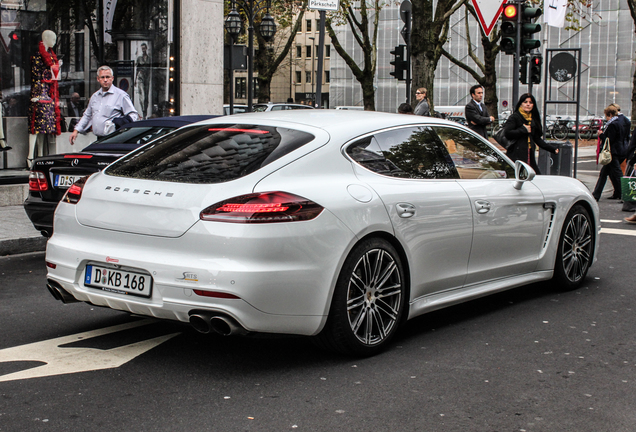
[(60, 293), (207, 322)]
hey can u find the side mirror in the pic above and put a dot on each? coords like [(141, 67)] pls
[(523, 173)]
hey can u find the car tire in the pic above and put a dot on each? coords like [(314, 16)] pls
[(368, 301), (576, 249)]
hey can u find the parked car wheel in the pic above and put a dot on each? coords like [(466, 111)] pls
[(576, 247), (368, 302)]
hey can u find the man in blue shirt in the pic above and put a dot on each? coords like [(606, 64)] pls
[(106, 105)]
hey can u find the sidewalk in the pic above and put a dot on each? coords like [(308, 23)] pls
[(17, 234)]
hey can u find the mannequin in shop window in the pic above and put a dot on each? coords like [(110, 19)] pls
[(44, 109)]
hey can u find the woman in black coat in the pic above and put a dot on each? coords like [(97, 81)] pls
[(612, 131), (523, 128)]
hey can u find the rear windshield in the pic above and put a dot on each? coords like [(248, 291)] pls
[(130, 137), (210, 154)]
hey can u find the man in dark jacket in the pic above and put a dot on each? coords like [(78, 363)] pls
[(476, 112), (626, 127)]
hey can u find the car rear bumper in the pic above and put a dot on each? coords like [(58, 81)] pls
[(283, 274), (40, 213)]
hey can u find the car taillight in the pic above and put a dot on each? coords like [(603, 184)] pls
[(74, 193), (37, 182), (266, 207)]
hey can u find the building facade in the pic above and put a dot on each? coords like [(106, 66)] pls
[(607, 53), (164, 53)]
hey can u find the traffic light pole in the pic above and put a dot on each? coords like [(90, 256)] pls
[(408, 55), (517, 57)]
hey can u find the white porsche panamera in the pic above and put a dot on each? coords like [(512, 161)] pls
[(334, 224)]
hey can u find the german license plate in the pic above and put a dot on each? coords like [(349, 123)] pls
[(118, 281), (65, 181)]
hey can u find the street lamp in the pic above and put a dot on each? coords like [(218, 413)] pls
[(233, 26), (267, 29), (313, 78)]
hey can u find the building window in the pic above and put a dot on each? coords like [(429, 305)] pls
[(327, 51), (308, 51), (240, 89), (327, 77), (308, 25), (307, 76), (299, 78), (299, 51)]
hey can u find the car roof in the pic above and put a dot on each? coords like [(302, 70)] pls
[(175, 121), (340, 122)]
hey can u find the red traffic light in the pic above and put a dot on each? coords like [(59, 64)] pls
[(536, 61), (14, 36), (510, 11)]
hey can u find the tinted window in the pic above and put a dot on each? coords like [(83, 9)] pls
[(210, 154), (410, 152), (472, 157)]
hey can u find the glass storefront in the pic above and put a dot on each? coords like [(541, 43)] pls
[(136, 40)]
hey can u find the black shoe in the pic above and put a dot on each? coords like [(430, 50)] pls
[(5, 148)]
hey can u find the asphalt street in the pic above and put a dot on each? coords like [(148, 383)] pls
[(529, 359)]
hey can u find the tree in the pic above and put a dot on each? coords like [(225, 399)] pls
[(487, 75), (428, 36), (267, 60), (365, 36)]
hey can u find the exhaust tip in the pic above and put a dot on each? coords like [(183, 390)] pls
[(226, 326), (60, 293), (201, 323)]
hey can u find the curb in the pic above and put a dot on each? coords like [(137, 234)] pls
[(22, 245)]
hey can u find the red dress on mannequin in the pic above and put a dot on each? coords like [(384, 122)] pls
[(44, 114)]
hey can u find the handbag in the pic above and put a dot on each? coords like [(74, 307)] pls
[(628, 187), (501, 139), (605, 156)]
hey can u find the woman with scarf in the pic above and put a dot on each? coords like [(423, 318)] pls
[(523, 128), (612, 131)]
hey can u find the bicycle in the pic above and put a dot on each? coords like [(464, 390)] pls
[(559, 129)]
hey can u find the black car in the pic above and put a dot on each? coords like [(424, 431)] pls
[(52, 175)]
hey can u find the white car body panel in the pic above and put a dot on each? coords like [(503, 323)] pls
[(284, 273)]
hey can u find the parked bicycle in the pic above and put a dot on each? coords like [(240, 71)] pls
[(559, 129), (590, 129)]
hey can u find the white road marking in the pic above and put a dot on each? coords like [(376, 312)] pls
[(611, 221), (66, 360), (618, 231)]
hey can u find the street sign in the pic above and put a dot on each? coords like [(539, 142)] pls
[(326, 5), (488, 12)]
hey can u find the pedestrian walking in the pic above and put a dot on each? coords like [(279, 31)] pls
[(476, 113), (523, 129), (626, 127), (612, 131), (107, 106), (422, 108)]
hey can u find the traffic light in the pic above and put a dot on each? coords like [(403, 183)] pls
[(535, 68), (15, 47), (400, 63), (508, 42), (529, 27), (523, 70)]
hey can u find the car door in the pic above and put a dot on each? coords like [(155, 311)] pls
[(509, 225), (429, 211)]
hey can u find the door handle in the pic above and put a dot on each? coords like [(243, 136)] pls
[(482, 206), (405, 210)]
